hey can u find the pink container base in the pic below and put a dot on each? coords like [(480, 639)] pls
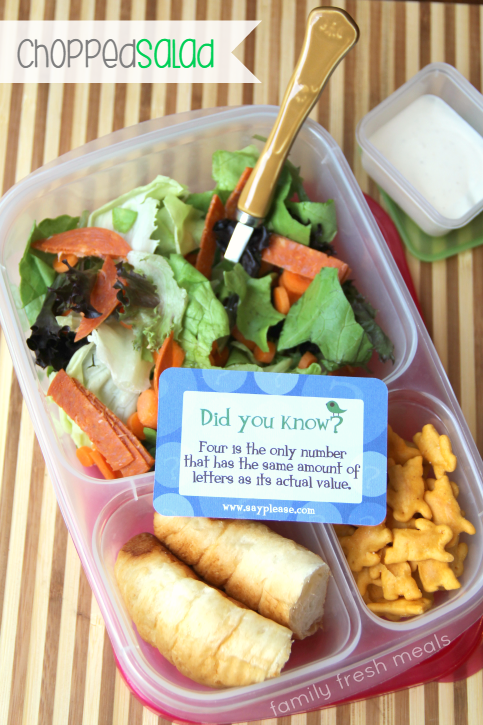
[(461, 659)]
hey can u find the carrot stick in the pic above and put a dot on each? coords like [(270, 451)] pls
[(102, 465), (306, 360), (219, 359), (148, 409), (178, 355), (59, 265), (135, 426), (295, 285), (265, 357), (206, 255), (84, 454), (298, 258), (281, 300), (238, 336), (163, 360), (232, 203), (169, 355), (86, 242)]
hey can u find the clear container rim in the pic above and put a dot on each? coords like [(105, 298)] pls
[(414, 196)]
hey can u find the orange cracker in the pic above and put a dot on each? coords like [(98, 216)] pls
[(436, 450), (360, 548), (398, 449), (427, 541), (405, 493), (446, 510)]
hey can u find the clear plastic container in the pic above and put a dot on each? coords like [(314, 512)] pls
[(438, 79), (103, 515)]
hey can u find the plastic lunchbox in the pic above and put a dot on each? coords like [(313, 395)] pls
[(356, 652)]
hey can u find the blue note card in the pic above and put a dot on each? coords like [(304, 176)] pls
[(245, 445)]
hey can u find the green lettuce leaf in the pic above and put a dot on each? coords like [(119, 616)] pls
[(280, 220), (205, 319), (314, 213), (228, 166), (114, 347), (145, 201), (324, 316), (152, 326), (201, 201), (313, 369), (86, 367), (179, 227), (123, 219), (35, 267), (255, 312), (365, 313)]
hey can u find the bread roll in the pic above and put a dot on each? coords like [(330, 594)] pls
[(206, 635), (270, 574)]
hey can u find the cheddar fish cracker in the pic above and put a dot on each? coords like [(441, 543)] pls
[(430, 483), (436, 450), (400, 564), (460, 552), (398, 449), (360, 548), (405, 493), (427, 541), (365, 577), (400, 607), (397, 581), (446, 510), (437, 575)]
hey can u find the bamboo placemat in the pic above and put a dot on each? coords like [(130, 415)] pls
[(56, 662)]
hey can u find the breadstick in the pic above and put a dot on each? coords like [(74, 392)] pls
[(270, 574), (207, 636)]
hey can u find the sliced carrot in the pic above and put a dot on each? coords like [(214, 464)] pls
[(59, 265), (169, 355), (206, 255), (124, 324), (306, 360), (103, 465), (191, 257), (295, 285), (178, 355), (103, 299), (84, 454), (148, 409), (265, 357), (238, 336), (232, 203), (163, 359), (86, 242), (219, 358), (135, 426), (281, 300), (298, 258)]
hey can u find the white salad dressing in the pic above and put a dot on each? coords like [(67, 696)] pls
[(438, 152)]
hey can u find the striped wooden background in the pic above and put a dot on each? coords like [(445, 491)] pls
[(56, 663)]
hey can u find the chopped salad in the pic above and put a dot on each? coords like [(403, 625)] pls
[(117, 295)]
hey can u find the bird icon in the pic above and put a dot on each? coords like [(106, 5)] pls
[(334, 408)]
